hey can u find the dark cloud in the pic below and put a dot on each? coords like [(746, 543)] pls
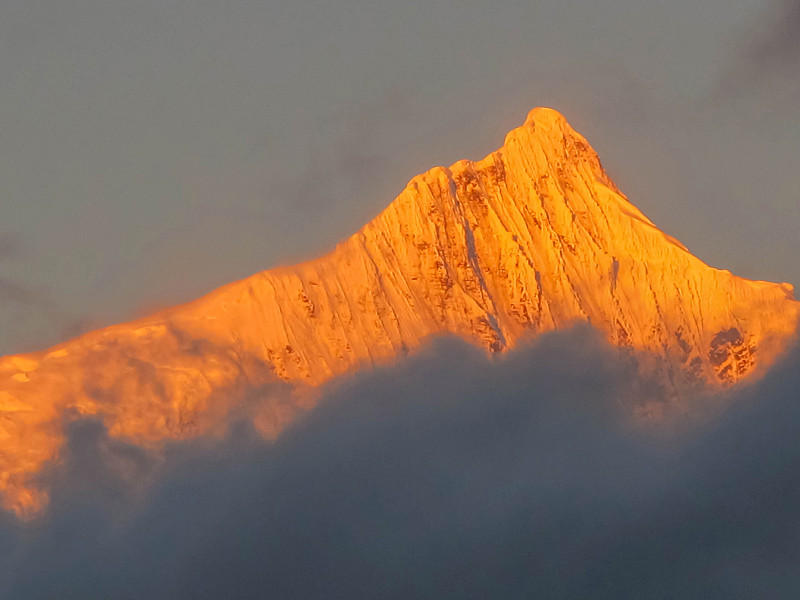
[(766, 54), (448, 476), (779, 45)]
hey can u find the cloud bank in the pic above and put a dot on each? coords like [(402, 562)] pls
[(447, 476)]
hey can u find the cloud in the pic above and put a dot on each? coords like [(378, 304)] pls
[(25, 298), (447, 476), (11, 289), (348, 154), (767, 54), (9, 246), (14, 291), (779, 45)]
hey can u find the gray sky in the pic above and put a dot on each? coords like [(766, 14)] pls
[(154, 150)]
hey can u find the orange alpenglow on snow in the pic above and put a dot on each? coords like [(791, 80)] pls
[(532, 238)]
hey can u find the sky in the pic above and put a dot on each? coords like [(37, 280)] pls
[(153, 151)]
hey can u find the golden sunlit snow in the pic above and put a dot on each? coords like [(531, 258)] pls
[(532, 238)]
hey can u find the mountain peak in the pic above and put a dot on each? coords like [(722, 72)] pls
[(545, 123), (532, 238), (545, 116)]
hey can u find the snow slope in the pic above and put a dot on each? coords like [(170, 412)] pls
[(532, 238)]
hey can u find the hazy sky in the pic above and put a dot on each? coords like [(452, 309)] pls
[(154, 150)]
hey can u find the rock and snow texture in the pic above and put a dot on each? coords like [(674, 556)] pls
[(532, 238)]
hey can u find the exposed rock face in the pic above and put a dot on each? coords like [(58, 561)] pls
[(532, 238)]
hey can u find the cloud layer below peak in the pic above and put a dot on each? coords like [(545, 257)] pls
[(447, 476)]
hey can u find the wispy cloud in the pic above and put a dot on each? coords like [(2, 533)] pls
[(768, 54), (11, 288), (347, 157), (19, 294), (778, 44)]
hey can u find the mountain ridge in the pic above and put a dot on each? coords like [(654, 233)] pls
[(532, 238)]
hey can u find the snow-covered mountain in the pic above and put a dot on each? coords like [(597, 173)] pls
[(532, 238)]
